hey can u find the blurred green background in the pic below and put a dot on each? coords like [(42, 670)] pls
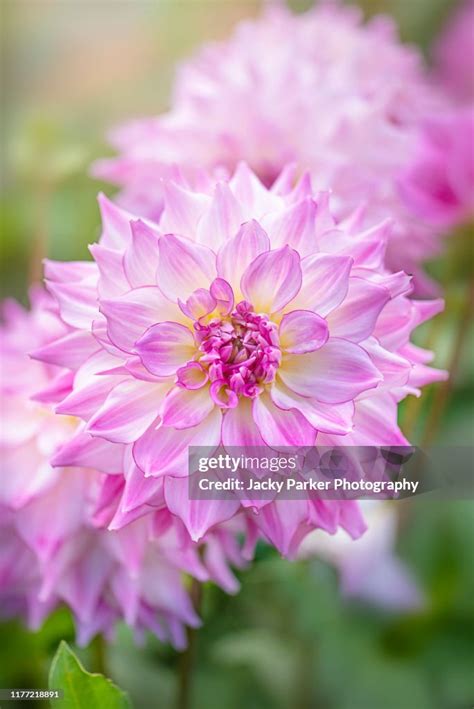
[(71, 70)]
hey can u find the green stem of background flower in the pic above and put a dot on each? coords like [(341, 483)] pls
[(188, 656)]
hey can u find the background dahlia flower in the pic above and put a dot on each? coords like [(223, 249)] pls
[(336, 96), (247, 317), (439, 183), (369, 568), (453, 53), (53, 545)]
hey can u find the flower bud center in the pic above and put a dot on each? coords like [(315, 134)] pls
[(241, 353)]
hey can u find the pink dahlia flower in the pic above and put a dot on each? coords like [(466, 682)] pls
[(246, 317), (439, 184), (454, 53), (53, 547), (338, 97)]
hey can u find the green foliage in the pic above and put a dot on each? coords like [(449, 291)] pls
[(82, 690)]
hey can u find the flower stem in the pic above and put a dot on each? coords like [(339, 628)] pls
[(187, 658)]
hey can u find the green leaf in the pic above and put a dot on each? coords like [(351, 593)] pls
[(82, 690)]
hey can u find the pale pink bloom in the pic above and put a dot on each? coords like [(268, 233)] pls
[(247, 317), (439, 184), (53, 547), (454, 53), (339, 97), (369, 568)]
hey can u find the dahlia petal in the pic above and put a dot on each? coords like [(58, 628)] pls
[(128, 411), (85, 399), (420, 375), (198, 516), (285, 181), (140, 259), (240, 251), (68, 351), (356, 317), (169, 595), (272, 280), (302, 189), (58, 388), (336, 373), (183, 267), (394, 367), (116, 230), (182, 209), (47, 520), (329, 418), (279, 427), (164, 450), (302, 331), (77, 303), (324, 284), (69, 271), (112, 280), (222, 220), (192, 376), (369, 254), (165, 347), (294, 226), (250, 192), (86, 451), (285, 525), (139, 490), (222, 292), (183, 408), (23, 476), (426, 309), (131, 315), (218, 566), (238, 427), (199, 304), (375, 422)]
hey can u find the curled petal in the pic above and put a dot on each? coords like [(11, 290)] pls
[(222, 292), (192, 376), (302, 331), (165, 347)]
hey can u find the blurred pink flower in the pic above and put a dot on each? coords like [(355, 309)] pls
[(369, 567), (439, 184), (247, 317), (336, 96), (454, 53), (52, 549)]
